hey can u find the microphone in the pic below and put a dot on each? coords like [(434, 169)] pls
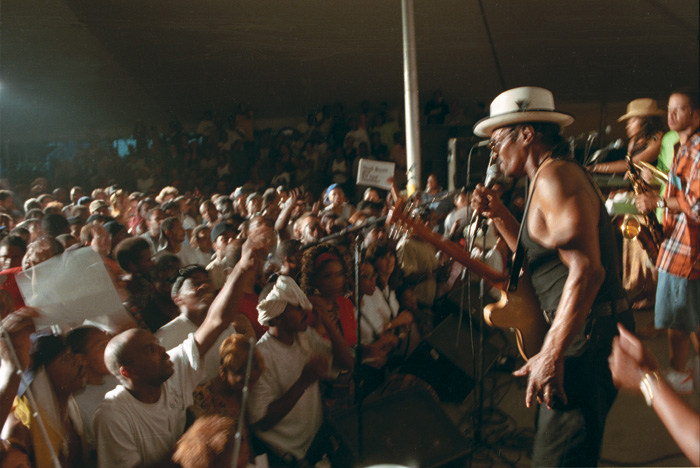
[(493, 175), (615, 145), (483, 143), (602, 153)]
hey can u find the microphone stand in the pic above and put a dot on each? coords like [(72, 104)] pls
[(601, 155), (480, 443), (244, 399), (479, 221), (464, 269), (348, 230), (358, 353), (357, 377)]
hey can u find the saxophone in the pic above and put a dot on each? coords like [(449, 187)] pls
[(649, 233)]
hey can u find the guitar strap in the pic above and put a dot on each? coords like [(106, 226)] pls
[(519, 256)]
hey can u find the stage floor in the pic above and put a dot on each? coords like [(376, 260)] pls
[(634, 436)]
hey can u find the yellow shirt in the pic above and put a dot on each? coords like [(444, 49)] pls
[(42, 455)]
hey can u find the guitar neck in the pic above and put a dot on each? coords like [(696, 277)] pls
[(483, 270)]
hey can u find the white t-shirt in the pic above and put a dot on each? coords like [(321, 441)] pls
[(88, 400), (376, 311), (131, 433), (187, 255), (177, 330), (283, 365)]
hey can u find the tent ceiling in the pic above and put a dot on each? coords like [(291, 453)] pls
[(66, 65)]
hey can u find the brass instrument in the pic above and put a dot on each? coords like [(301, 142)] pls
[(659, 176), (648, 233)]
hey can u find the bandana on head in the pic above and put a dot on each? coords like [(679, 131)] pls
[(285, 291)]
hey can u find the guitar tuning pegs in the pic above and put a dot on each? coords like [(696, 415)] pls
[(395, 231)]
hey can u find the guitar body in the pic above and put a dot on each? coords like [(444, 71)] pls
[(520, 312)]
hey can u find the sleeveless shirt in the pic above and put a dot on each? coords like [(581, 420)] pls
[(549, 274)]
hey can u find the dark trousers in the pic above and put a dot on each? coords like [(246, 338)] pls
[(571, 434)]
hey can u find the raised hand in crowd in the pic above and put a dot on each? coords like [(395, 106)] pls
[(295, 201)]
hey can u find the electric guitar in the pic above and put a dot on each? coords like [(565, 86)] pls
[(518, 310)]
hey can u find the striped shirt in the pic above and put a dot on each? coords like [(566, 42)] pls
[(680, 250)]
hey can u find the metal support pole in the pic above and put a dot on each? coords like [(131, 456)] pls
[(410, 86)]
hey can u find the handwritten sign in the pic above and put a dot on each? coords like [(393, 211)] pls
[(375, 173)]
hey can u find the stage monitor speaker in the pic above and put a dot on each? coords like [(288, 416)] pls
[(448, 365), (407, 428)]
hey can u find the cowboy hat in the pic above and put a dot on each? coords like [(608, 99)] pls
[(644, 107), (518, 105)]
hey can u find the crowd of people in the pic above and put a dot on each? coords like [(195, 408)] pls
[(240, 327), (222, 152), (201, 279)]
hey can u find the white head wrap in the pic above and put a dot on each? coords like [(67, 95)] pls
[(285, 291)]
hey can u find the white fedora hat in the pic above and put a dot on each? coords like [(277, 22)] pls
[(518, 105)]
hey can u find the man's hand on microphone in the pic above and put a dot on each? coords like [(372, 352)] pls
[(486, 202)]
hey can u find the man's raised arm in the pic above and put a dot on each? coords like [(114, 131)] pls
[(226, 304)]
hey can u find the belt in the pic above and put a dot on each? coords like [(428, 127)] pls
[(602, 309)]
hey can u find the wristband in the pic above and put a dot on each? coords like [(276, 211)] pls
[(646, 386), (661, 203)]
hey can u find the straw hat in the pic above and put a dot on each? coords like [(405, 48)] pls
[(518, 105), (644, 107)]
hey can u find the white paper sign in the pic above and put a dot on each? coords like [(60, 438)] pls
[(71, 288), (375, 173)]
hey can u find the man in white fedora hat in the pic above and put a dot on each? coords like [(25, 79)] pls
[(568, 242)]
